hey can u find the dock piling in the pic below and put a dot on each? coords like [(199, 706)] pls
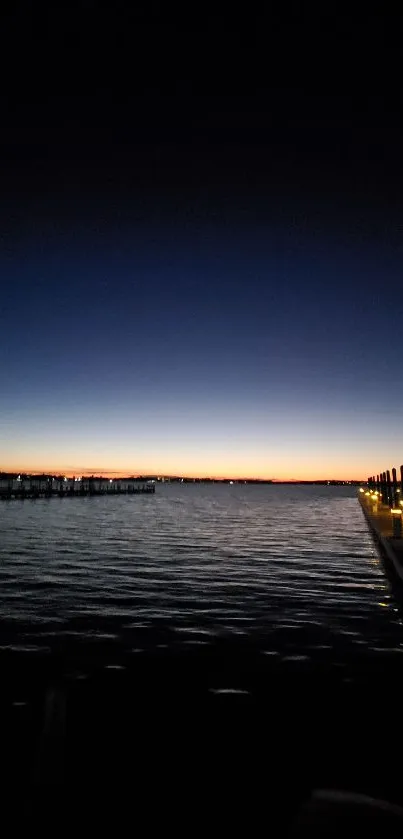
[(388, 489), (395, 495), (397, 522)]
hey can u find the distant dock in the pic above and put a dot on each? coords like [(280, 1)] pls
[(382, 504), (50, 486)]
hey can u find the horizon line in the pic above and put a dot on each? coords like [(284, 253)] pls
[(72, 472)]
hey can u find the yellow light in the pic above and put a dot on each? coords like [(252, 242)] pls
[(361, 489), (367, 493), (396, 512)]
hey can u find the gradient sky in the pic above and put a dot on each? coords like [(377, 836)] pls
[(214, 300)]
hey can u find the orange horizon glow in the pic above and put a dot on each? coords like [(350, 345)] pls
[(197, 443), (346, 474)]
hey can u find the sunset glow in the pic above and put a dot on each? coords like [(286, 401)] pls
[(298, 459)]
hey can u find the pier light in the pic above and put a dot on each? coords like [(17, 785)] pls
[(395, 511), (110, 480)]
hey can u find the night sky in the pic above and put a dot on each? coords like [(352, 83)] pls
[(201, 243)]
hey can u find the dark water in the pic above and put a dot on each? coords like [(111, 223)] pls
[(202, 628), (292, 569)]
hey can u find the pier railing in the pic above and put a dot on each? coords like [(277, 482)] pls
[(388, 486), (384, 494)]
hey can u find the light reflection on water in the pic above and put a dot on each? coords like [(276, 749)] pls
[(293, 568)]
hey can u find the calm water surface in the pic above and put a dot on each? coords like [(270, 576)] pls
[(292, 568)]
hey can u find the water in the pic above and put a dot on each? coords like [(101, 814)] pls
[(200, 627), (292, 570)]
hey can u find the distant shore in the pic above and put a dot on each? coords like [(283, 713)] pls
[(178, 479)]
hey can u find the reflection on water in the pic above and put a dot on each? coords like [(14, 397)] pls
[(293, 569)]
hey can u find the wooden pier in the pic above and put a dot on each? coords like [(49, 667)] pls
[(382, 504), (50, 486)]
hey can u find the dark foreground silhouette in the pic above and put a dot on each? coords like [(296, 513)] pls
[(188, 740)]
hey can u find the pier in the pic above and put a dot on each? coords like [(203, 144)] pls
[(382, 504), (51, 486)]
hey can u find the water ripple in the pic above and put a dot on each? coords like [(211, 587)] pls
[(292, 566)]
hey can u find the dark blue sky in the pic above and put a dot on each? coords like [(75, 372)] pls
[(201, 283)]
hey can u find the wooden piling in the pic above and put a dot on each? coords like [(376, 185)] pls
[(397, 522), (389, 489), (395, 494), (383, 488)]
